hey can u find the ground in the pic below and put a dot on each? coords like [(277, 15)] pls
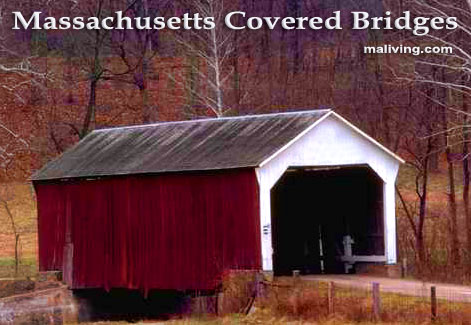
[(21, 201), (283, 300), (407, 287)]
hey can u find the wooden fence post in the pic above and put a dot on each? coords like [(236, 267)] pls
[(404, 268), (330, 296), (376, 302), (259, 285), (433, 300), (296, 291), (220, 303)]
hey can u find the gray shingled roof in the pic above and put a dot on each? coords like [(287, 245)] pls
[(209, 144)]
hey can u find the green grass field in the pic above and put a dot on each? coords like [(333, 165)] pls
[(21, 202)]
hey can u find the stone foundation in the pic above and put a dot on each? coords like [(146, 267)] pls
[(49, 301), (61, 305), (49, 306)]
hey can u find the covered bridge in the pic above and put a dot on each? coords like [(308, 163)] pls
[(174, 205)]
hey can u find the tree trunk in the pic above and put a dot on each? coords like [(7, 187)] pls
[(219, 109), (466, 177), (146, 113), (454, 250), (15, 233), (17, 253), (452, 206), (420, 241), (89, 121)]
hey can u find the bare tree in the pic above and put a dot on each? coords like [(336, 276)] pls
[(4, 201), (90, 51), (138, 50), (18, 65), (420, 148), (445, 78), (210, 61), (457, 63), (21, 70), (12, 147)]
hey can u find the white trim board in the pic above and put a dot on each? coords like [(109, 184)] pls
[(350, 125), (299, 136), (379, 145)]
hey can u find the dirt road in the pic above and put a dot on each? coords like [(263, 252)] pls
[(407, 287)]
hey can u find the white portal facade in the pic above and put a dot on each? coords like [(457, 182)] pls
[(331, 141)]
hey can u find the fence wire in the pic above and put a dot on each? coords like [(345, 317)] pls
[(317, 300)]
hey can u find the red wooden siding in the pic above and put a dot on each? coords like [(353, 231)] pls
[(158, 232)]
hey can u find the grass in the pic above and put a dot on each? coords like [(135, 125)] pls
[(229, 320), (26, 268), (352, 307), (307, 301), (436, 229), (10, 261), (20, 199)]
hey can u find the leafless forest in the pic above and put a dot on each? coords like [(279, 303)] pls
[(57, 86)]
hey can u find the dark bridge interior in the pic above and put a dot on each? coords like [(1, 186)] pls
[(313, 209)]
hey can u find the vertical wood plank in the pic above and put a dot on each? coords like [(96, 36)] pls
[(376, 302), (296, 291), (259, 285), (67, 264), (433, 300), (404, 268), (331, 296)]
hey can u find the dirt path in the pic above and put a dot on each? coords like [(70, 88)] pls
[(406, 287)]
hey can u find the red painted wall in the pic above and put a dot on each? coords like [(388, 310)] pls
[(178, 231)]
